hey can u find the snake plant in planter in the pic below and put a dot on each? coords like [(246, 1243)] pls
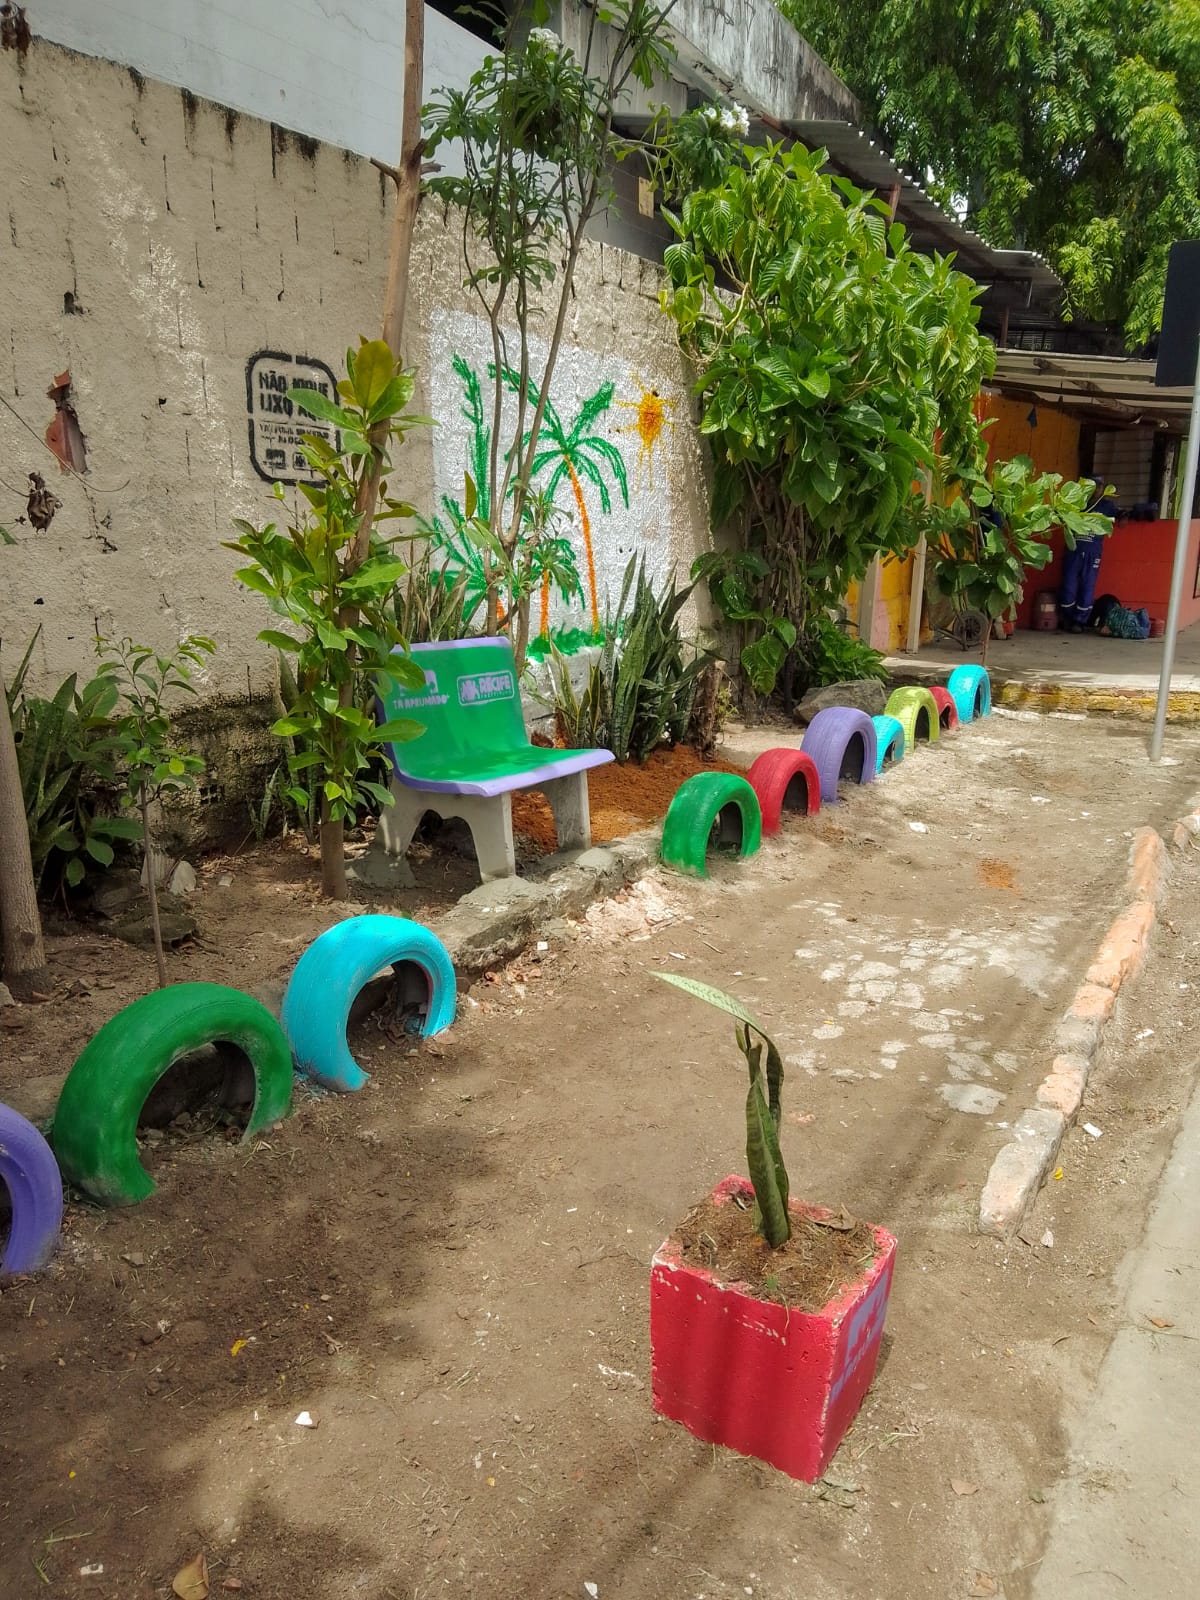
[(742, 1365)]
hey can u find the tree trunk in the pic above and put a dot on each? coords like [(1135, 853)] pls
[(23, 954), (404, 221), (408, 194), (333, 860), (152, 889), (987, 634)]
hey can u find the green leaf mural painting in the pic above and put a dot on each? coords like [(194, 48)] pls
[(594, 498)]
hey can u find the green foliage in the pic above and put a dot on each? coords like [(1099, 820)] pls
[(430, 602), (834, 656), (768, 1174), (831, 355), (985, 538), (138, 682), (536, 134), (65, 759), (339, 606), (1066, 126), (642, 684)]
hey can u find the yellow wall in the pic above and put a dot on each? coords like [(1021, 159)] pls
[(895, 586), (1053, 446)]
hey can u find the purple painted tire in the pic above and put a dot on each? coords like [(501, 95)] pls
[(30, 1173), (843, 744)]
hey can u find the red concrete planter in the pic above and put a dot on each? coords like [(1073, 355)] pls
[(770, 1382)]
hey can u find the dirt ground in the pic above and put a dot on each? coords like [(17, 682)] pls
[(449, 1270)]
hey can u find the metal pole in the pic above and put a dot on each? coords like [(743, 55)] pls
[(1187, 494)]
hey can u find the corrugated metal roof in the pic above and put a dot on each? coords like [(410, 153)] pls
[(868, 164), (1116, 389)]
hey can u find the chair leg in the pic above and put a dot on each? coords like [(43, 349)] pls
[(568, 800), (490, 821), (384, 865)]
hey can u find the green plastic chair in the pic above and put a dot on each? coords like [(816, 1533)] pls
[(474, 753)]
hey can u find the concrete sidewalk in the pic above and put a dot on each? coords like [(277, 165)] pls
[(1072, 672), (1124, 1519)]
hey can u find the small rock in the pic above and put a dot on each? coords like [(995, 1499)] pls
[(1048, 1239), (164, 866), (6, 998), (225, 881), (116, 891), (863, 694), (846, 1075), (135, 1258), (306, 1420), (183, 880)]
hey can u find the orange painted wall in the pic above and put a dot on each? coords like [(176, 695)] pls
[(1052, 446)]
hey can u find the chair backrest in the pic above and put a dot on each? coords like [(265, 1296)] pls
[(471, 705)]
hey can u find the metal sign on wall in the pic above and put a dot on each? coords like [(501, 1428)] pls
[(277, 423)]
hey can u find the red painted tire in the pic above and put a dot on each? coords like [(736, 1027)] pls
[(947, 709), (784, 780), (843, 744)]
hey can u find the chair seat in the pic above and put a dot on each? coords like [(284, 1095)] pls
[(493, 773)]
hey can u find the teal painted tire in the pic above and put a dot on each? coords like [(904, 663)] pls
[(972, 691), (330, 973), (889, 734), (95, 1123), (710, 810), (917, 713)]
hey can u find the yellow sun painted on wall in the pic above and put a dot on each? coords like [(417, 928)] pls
[(651, 418)]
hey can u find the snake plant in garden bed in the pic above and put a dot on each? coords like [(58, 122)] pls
[(748, 1347)]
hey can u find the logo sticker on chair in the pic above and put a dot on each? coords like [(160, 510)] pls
[(480, 688)]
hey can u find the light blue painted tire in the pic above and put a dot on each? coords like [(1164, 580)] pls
[(330, 973), (890, 734), (972, 691), (841, 741)]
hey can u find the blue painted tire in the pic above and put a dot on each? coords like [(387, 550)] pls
[(30, 1173), (843, 744), (972, 691), (890, 736), (330, 973)]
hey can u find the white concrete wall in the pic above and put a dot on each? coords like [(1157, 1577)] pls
[(329, 69), (189, 240)]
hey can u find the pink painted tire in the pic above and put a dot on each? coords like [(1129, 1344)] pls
[(784, 780), (947, 709), (843, 744)]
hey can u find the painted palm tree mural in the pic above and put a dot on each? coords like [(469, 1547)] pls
[(601, 427), (572, 455)]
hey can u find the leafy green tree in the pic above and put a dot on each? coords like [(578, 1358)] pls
[(1071, 127), (338, 599), (536, 129), (996, 527), (834, 363), (139, 681)]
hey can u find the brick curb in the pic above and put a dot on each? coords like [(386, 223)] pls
[(1020, 1168)]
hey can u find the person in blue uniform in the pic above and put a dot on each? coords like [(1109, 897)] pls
[(1081, 573)]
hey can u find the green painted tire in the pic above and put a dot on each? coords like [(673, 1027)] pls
[(95, 1123), (711, 808), (917, 713)]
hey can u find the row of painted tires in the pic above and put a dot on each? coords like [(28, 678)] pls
[(723, 810), (94, 1133)]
